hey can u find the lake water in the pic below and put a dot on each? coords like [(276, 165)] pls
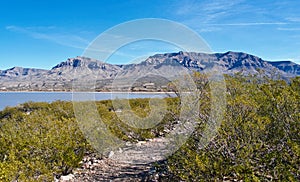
[(15, 98)]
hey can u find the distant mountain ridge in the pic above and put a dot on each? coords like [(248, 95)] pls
[(287, 66), (19, 71), (61, 76)]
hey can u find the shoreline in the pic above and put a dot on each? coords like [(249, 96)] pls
[(13, 98), (86, 92)]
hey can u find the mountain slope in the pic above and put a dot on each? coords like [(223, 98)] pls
[(287, 66), (17, 72), (159, 69)]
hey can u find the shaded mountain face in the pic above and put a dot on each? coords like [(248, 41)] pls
[(159, 69), (17, 72), (228, 62), (82, 67), (287, 66)]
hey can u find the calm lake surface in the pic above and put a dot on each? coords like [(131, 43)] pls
[(15, 98)]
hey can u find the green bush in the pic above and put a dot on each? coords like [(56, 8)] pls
[(258, 140), (39, 140)]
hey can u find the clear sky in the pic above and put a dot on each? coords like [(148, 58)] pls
[(43, 33)]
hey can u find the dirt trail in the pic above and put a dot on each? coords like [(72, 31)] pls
[(111, 170), (135, 162)]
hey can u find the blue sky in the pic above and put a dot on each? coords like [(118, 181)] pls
[(41, 34)]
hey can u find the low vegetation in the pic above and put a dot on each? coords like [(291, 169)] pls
[(38, 141), (258, 140)]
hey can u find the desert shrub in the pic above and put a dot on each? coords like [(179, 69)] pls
[(258, 140), (39, 140)]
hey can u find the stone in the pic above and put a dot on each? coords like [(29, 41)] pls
[(111, 153), (67, 177)]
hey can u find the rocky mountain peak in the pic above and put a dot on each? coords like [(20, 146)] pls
[(228, 60), (237, 60), (76, 62)]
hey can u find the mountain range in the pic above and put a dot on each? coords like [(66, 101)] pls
[(152, 74)]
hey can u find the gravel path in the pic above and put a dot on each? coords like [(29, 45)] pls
[(111, 170), (135, 162)]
